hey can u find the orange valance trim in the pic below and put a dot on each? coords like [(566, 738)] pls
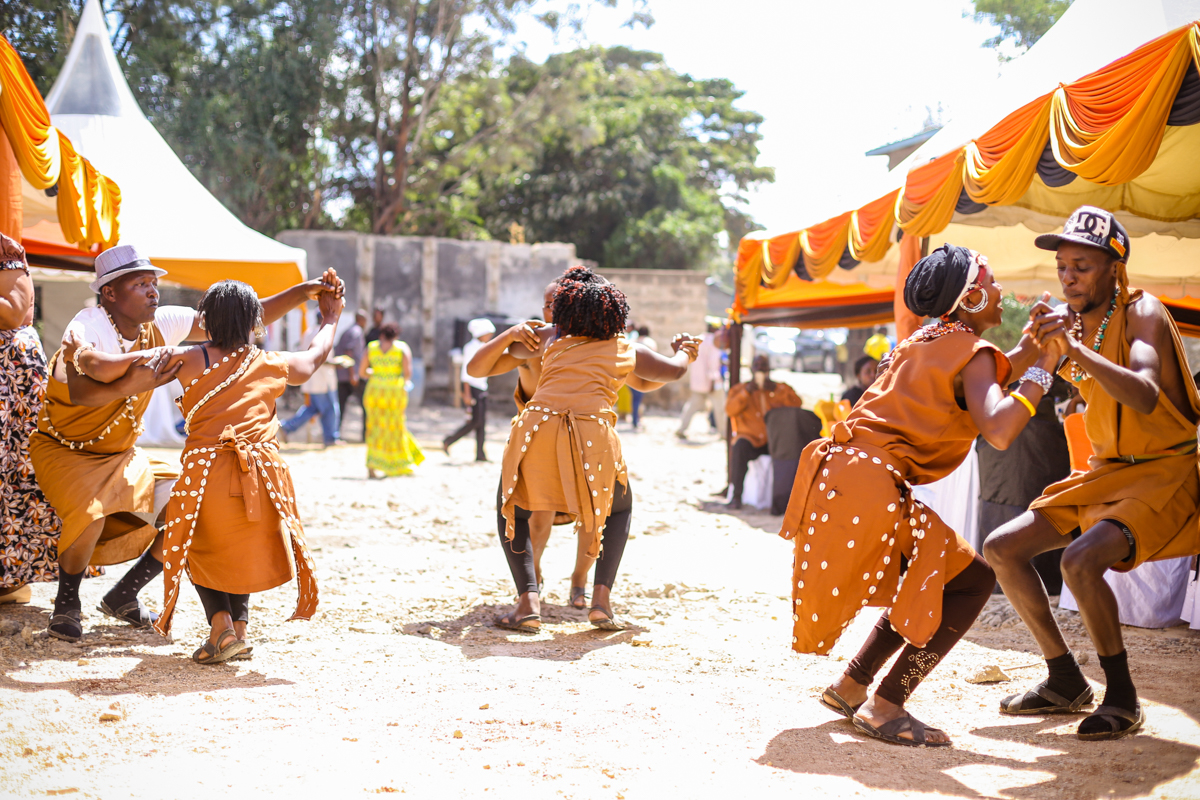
[(89, 204), (1105, 127)]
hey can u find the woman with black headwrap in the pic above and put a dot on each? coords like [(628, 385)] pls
[(863, 540)]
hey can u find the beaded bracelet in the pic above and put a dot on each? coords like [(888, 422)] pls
[(78, 352), (1040, 377)]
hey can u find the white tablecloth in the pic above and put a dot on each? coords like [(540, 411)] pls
[(1151, 596)]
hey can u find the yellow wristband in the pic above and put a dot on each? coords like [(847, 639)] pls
[(1025, 401)]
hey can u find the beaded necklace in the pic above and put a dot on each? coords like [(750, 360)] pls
[(1077, 372), (128, 412), (143, 331), (938, 330)]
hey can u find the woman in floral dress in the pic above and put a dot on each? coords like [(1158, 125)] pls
[(29, 526), (391, 449)]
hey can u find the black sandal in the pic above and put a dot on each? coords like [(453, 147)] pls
[(610, 622), (842, 707), (132, 612), (580, 593), (1113, 715), (210, 654), (531, 624), (890, 731), (67, 626), (1019, 704)]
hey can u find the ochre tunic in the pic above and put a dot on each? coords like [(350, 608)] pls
[(1155, 498), (232, 521), (110, 479), (852, 514), (563, 453), (747, 410)]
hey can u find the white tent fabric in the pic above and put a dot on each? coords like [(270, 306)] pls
[(1150, 596), (164, 209), (1191, 602)]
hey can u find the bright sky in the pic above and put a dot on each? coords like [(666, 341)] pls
[(833, 78)]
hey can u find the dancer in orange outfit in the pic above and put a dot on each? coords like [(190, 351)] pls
[(232, 522), (852, 514), (564, 454)]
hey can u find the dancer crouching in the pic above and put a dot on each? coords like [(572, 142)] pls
[(852, 514), (564, 454), (232, 521)]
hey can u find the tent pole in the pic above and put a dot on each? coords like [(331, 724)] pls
[(735, 377)]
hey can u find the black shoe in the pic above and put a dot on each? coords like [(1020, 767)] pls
[(735, 504)]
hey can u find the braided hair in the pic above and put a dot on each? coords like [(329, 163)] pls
[(588, 305), (231, 311)]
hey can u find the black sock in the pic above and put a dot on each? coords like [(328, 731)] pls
[(126, 589), (68, 591), (1119, 690), (1065, 676)]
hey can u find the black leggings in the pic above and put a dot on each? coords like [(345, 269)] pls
[(962, 600), (519, 551), (236, 605), (744, 451)]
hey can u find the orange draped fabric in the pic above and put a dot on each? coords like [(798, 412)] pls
[(906, 321), (1105, 127), (11, 218), (89, 204)]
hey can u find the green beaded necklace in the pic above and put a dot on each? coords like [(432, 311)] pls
[(1077, 372)]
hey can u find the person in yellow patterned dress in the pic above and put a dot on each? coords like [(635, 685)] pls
[(391, 449)]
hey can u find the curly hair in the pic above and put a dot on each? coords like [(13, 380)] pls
[(588, 305), (231, 310)]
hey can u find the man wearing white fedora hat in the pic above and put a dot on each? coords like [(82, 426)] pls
[(109, 493)]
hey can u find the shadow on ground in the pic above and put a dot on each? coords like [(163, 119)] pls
[(913, 770), (563, 636)]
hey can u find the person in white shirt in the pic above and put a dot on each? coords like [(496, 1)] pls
[(110, 494), (707, 385), (474, 389), (322, 391)]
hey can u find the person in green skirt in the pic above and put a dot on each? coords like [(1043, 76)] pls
[(391, 449)]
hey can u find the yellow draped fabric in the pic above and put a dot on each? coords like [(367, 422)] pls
[(1109, 128), (88, 203)]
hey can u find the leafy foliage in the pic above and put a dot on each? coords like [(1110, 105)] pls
[(1021, 21), (399, 116), (1008, 333)]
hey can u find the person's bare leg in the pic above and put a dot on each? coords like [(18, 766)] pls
[(583, 567), (1084, 563), (1009, 551), (221, 622), (601, 599), (76, 557), (538, 539)]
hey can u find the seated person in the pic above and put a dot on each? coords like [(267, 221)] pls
[(864, 371), (747, 407)]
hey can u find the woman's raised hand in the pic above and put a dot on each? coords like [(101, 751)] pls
[(688, 343), (526, 333), (331, 303)]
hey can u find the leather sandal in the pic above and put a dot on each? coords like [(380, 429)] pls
[(531, 624), (210, 654), (579, 597), (1023, 704), (840, 705), (610, 621), (890, 731), (1113, 715), (132, 612), (67, 626)]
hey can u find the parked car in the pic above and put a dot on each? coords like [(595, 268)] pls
[(815, 351)]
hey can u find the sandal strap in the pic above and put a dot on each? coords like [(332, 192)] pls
[(1111, 714), (906, 724)]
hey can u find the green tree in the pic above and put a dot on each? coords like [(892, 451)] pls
[(1016, 316), (1022, 22), (643, 169)]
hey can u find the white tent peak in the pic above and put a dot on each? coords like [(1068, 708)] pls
[(91, 81), (165, 210)]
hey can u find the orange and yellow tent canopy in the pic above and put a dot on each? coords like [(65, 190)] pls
[(1124, 137)]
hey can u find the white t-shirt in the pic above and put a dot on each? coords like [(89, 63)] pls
[(469, 350), (93, 326), (705, 373)]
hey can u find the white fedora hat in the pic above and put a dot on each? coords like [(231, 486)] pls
[(121, 260)]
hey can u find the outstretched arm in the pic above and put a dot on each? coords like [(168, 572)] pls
[(494, 357), (275, 306), (654, 367), (1000, 418), (302, 365)]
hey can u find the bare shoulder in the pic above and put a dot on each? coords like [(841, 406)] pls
[(1148, 318)]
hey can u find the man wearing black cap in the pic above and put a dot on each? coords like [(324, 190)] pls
[(1138, 502), (110, 494)]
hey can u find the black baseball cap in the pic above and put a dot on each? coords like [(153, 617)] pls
[(1091, 226)]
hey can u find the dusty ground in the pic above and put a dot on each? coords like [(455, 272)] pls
[(402, 685)]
